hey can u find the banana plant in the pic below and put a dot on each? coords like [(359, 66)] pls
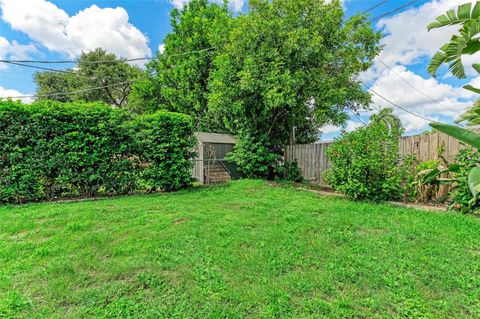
[(466, 43), (469, 138)]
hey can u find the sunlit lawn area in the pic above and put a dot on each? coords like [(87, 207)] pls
[(245, 250)]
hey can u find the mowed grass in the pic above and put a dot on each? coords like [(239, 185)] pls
[(245, 250)]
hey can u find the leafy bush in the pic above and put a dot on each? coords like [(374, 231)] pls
[(425, 187), (165, 140), (288, 171), (461, 197), (365, 164), (253, 158), (52, 149)]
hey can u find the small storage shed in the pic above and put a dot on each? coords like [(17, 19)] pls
[(210, 164)]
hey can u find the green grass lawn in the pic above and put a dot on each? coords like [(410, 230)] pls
[(245, 250)]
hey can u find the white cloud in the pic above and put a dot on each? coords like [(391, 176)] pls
[(235, 5), (88, 29), (349, 126), (407, 38), (438, 100), (13, 50), (407, 42), (161, 48), (4, 93)]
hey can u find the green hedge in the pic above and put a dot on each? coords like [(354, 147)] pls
[(166, 142), (52, 150)]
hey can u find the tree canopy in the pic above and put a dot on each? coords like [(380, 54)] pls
[(94, 69), (178, 77), (291, 64)]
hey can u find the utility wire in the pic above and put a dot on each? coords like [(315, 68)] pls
[(36, 67), (359, 118), (398, 106), (69, 92), (374, 7), (83, 90), (392, 11), (413, 87), (102, 61)]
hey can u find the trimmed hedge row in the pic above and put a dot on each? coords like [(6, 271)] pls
[(52, 150)]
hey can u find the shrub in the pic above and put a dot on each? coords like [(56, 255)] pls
[(253, 157), (52, 149), (288, 171), (461, 197), (165, 141), (425, 187), (365, 164)]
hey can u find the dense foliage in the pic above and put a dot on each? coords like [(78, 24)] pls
[(291, 64), (178, 77), (53, 149), (365, 164), (96, 69), (461, 197), (165, 140), (472, 115), (288, 171), (464, 43), (253, 157), (425, 187)]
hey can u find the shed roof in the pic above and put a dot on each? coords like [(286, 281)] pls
[(215, 138)]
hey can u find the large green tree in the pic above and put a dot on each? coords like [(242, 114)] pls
[(290, 65), (98, 68), (178, 77)]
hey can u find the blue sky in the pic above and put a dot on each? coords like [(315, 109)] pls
[(54, 29)]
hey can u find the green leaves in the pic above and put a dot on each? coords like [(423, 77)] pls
[(466, 136), (474, 181), (465, 43), (471, 139), (88, 75), (165, 141), (463, 14), (51, 149), (289, 65), (365, 164)]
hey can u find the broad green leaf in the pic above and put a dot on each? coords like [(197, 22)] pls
[(471, 88), (438, 59), (463, 14), (433, 174), (474, 181), (454, 168), (459, 133), (476, 66)]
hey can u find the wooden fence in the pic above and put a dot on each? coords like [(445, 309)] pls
[(312, 158)]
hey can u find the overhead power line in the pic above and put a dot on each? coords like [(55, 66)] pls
[(359, 118), (374, 7), (398, 106), (34, 66), (69, 92), (413, 87), (82, 90), (392, 11), (102, 61)]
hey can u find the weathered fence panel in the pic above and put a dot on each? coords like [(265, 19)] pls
[(312, 158)]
